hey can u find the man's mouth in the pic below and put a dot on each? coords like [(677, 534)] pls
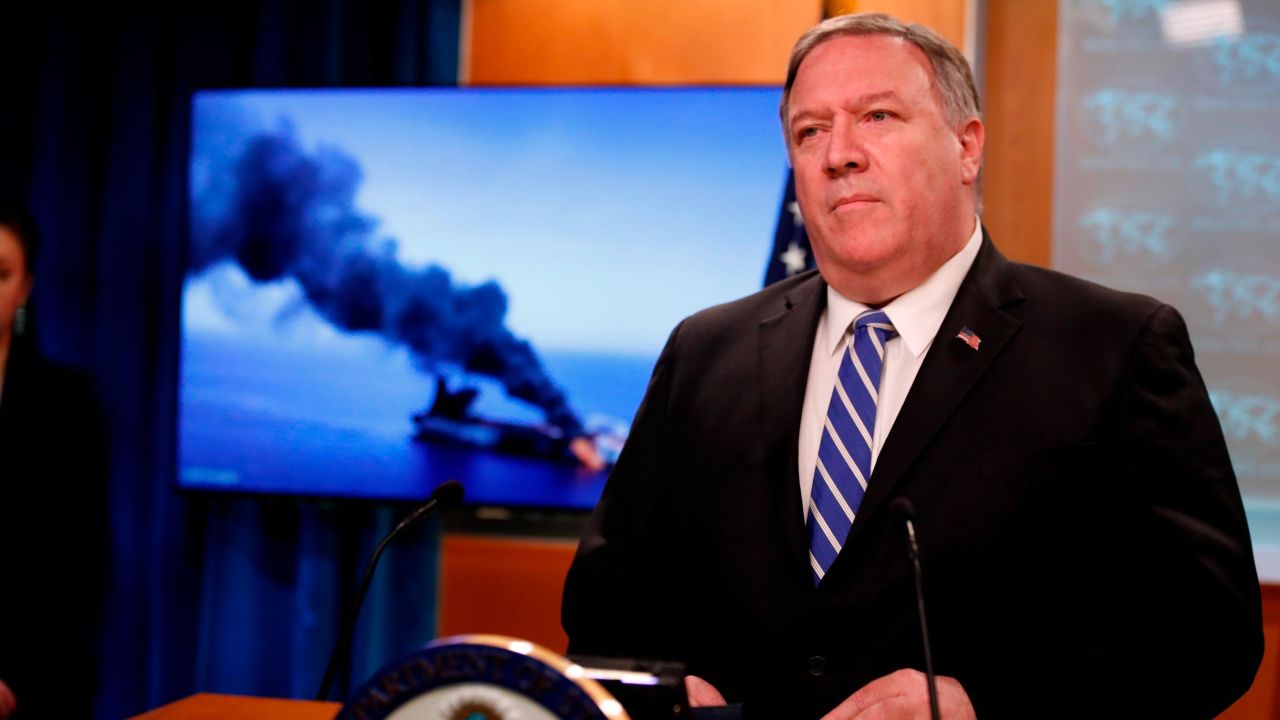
[(854, 200)]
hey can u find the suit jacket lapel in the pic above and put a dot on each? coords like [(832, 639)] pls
[(786, 346), (949, 371)]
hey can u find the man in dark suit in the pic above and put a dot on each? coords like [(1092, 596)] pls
[(1084, 543)]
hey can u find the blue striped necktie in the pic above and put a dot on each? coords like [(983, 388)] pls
[(844, 455)]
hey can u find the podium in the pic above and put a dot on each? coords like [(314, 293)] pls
[(211, 706)]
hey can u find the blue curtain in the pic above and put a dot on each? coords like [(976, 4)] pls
[(235, 595)]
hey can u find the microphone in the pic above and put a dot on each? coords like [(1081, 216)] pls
[(443, 498), (905, 512)]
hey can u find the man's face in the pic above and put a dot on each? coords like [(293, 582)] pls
[(884, 179)]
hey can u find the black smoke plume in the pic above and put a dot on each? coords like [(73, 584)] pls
[(281, 212)]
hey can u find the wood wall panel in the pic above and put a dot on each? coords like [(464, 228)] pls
[(946, 17), (1021, 81), (504, 585), (532, 42)]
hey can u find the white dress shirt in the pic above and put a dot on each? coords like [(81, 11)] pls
[(916, 315)]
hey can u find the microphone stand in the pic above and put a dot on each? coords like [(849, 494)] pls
[(442, 498), (906, 512)]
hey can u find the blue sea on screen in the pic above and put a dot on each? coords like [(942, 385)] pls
[(278, 418)]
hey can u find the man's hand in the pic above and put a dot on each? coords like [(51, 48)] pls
[(8, 703), (904, 695), (702, 693)]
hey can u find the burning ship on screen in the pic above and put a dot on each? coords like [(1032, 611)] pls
[(450, 420), (278, 211)]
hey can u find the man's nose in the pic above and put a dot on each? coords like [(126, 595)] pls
[(845, 153)]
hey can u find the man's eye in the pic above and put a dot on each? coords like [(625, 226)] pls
[(806, 133), (878, 115)]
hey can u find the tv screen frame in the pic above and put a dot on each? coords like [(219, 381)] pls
[(676, 188)]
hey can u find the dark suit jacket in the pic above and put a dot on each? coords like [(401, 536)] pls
[(1084, 546)]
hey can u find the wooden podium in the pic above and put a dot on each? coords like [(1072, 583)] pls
[(211, 706)]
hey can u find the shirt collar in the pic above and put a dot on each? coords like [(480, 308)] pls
[(916, 314)]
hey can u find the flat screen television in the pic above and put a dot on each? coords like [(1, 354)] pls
[(389, 288)]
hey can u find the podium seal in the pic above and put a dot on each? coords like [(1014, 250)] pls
[(482, 677)]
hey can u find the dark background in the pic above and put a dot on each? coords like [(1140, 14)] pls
[(205, 593)]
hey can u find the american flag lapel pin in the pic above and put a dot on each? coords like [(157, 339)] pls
[(969, 337)]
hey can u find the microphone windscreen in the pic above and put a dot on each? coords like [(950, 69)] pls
[(448, 494), (902, 509)]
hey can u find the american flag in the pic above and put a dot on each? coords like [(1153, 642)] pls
[(969, 337), (791, 253)]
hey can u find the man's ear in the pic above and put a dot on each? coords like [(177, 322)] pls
[(971, 136)]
